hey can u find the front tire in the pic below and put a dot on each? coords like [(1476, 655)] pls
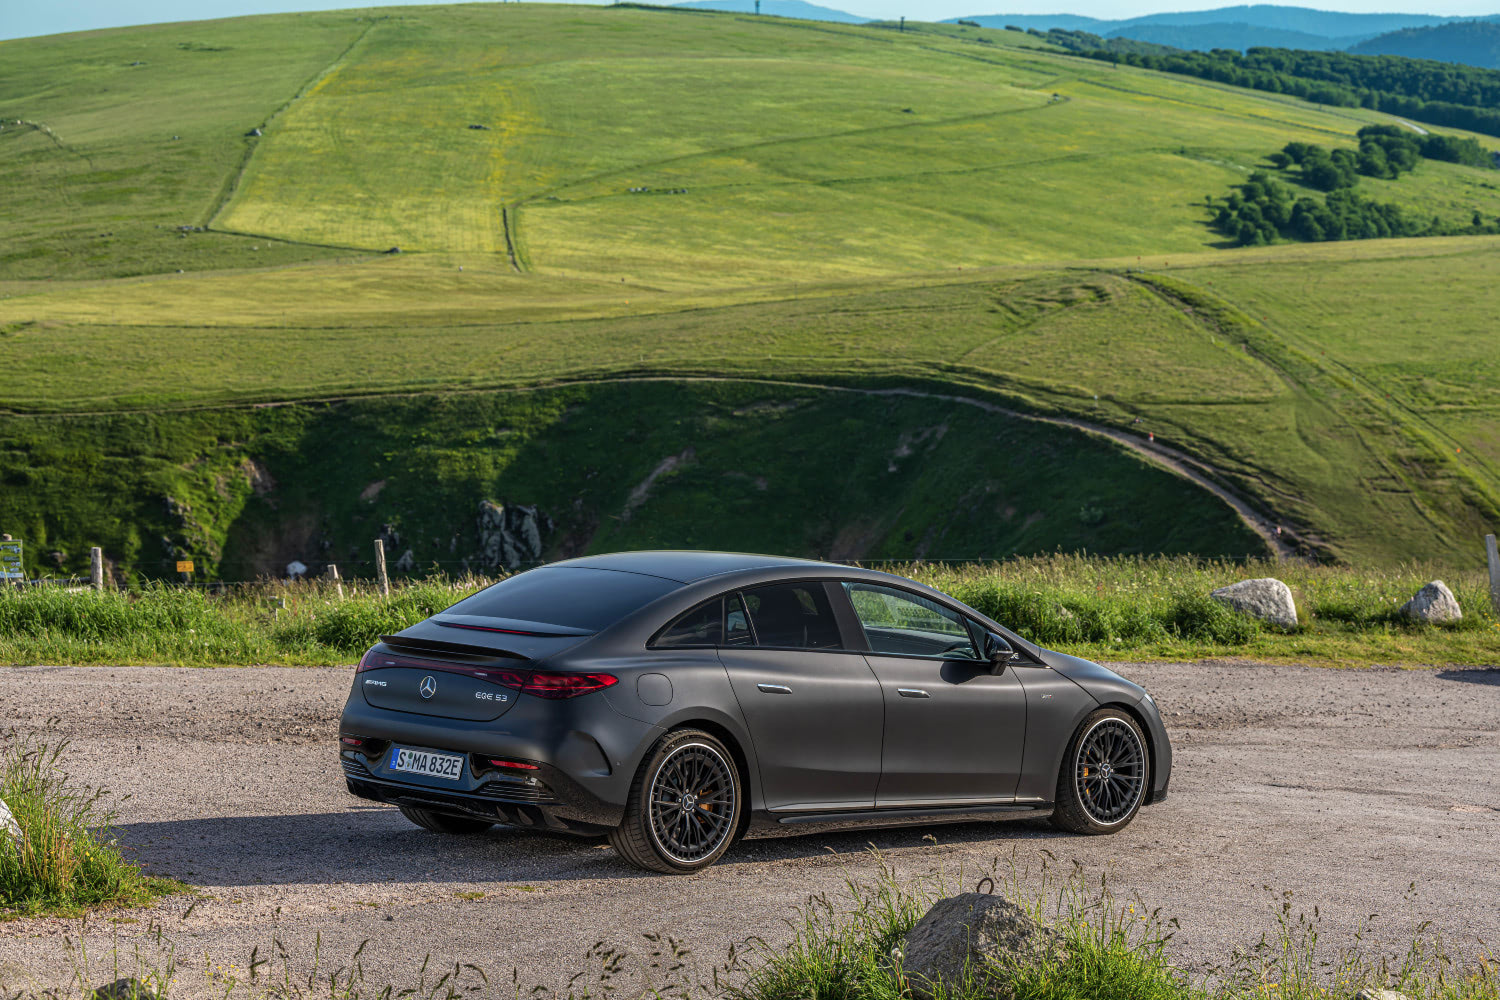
[(443, 823), (684, 805), (1104, 776)]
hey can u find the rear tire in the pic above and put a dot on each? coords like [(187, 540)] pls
[(443, 823), (684, 805), (1105, 775)]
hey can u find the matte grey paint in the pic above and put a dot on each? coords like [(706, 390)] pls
[(976, 742)]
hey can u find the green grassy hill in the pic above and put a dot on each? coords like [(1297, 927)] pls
[(792, 209)]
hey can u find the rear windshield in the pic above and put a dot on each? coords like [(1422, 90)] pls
[(574, 598)]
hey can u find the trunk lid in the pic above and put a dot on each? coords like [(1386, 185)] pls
[(435, 687)]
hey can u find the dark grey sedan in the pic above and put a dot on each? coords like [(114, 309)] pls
[(678, 700)]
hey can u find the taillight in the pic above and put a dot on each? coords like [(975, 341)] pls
[(549, 685), (518, 764), (351, 741)]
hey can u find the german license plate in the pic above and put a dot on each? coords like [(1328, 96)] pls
[(433, 765)]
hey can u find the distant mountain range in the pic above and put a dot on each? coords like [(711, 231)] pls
[(1239, 27), (1476, 43)]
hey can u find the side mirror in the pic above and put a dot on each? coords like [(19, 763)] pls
[(998, 652)]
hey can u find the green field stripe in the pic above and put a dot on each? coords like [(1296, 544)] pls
[(232, 181)]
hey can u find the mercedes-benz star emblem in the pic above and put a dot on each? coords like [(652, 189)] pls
[(428, 687)]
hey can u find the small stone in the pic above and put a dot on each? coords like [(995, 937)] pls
[(1433, 604), (1380, 995), (8, 825), (1267, 598)]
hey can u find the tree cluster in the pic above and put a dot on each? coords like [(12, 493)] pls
[(1264, 209), (1438, 93)]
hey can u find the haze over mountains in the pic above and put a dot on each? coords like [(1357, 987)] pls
[(1424, 36)]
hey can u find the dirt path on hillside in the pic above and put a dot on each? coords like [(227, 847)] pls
[(1341, 786)]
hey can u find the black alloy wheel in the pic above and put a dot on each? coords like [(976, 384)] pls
[(684, 806), (1104, 776)]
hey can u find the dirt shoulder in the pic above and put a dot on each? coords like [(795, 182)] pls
[(1343, 786)]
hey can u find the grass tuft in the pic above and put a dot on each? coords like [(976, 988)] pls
[(66, 859)]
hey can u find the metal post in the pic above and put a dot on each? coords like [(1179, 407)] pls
[(1489, 544), (385, 582), (96, 567), (333, 574)]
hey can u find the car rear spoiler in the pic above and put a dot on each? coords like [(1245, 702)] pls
[(451, 648)]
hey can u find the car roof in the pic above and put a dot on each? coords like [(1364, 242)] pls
[(688, 566)]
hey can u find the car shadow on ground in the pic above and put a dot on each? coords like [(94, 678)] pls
[(1473, 675), (375, 844)]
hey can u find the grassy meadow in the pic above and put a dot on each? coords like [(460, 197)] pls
[(1121, 609), (675, 195)]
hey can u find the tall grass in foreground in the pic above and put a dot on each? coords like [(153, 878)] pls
[(1101, 607), (847, 947), (1106, 949), (65, 858)]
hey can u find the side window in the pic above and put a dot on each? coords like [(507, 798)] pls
[(737, 623), (798, 615), (904, 624), (699, 627)]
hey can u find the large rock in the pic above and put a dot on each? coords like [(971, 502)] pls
[(1268, 599), (1372, 994), (1434, 604), (974, 935)]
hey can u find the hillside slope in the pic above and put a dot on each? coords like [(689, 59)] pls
[(595, 195)]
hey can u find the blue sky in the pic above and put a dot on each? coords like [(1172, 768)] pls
[(44, 17)]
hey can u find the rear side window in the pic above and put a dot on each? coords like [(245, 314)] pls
[(701, 626), (798, 615), (592, 599)]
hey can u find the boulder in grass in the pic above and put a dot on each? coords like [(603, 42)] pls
[(1267, 598), (124, 989), (1433, 604), (1370, 994), (969, 936)]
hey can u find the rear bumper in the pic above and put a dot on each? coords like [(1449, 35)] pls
[(583, 753), (578, 816)]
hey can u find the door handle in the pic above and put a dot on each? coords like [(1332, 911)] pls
[(774, 689), (912, 693)]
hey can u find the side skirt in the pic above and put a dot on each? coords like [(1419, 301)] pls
[(768, 824)]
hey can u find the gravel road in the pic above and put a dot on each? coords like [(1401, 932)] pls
[(1343, 787)]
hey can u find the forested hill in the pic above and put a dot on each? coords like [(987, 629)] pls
[(1423, 90), (1473, 43)]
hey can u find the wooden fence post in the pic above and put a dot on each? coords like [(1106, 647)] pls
[(96, 567), (333, 574), (1489, 544), (385, 583)]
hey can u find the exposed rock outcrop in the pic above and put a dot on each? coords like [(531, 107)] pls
[(511, 535)]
